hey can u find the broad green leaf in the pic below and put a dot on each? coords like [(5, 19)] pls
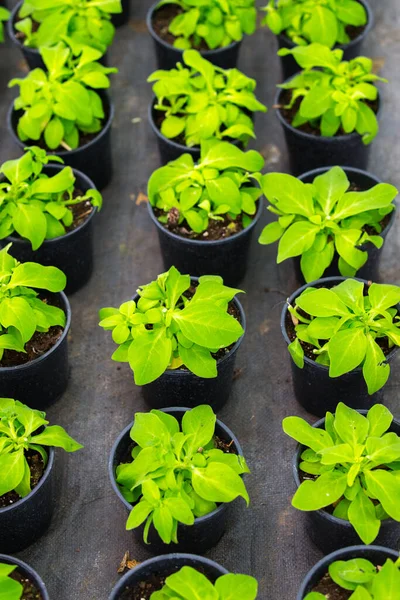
[(316, 102), (341, 453), (353, 203), (175, 285), (380, 418), (322, 303), (383, 296), (188, 583), (324, 491), (54, 435), (313, 437), (199, 360), (31, 274), (288, 193), (12, 468), (386, 583), (322, 26), (16, 312), (150, 355), (351, 292), (346, 349), (208, 325), (375, 369), (218, 483), (149, 430), (350, 425), (233, 587), (199, 422), (30, 223), (163, 522), (386, 488), (297, 239), (330, 187), (138, 514), (362, 516)]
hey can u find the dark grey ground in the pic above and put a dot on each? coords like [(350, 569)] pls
[(79, 556)]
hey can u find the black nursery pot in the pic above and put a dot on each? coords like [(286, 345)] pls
[(167, 55), (329, 533), (364, 181), (42, 381), (206, 531), (314, 389), (26, 571), (94, 158), (350, 50), (308, 151), (163, 566), (123, 17), (177, 387), (375, 554), (72, 252), (25, 521), (227, 257)]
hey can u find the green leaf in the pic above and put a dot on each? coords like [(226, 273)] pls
[(208, 325), (54, 133), (330, 187), (324, 491), (60, 182), (54, 435), (297, 239), (353, 203), (341, 453), (383, 296), (380, 418), (30, 223), (322, 303), (375, 369), (346, 349), (149, 430), (172, 126), (218, 483), (138, 514), (322, 27), (175, 285), (16, 312), (313, 437), (191, 585), (350, 425), (179, 510), (290, 194), (199, 360), (199, 422), (163, 522), (31, 274), (12, 468), (271, 233), (235, 587), (316, 102), (362, 516), (150, 355), (297, 353), (386, 488), (386, 583)]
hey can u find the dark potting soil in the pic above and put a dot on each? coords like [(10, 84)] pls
[(36, 466), (39, 344), (30, 591), (331, 590), (81, 212), (216, 230), (161, 21)]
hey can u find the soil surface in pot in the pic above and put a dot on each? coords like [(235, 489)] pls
[(161, 21), (36, 467), (39, 344), (30, 590), (331, 590), (216, 230)]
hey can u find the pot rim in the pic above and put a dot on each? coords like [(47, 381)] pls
[(67, 310), (35, 490), (324, 513), (150, 562), (29, 571), (46, 243), (321, 282), (341, 554), (170, 410), (207, 54), (107, 103)]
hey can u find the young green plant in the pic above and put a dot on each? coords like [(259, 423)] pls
[(172, 325), (4, 16), (36, 206), (307, 21), (180, 586), (22, 312), (201, 101), (60, 105), (347, 327), (320, 220), (365, 580), (216, 23), (178, 473), (10, 589), (23, 429), (88, 22), (334, 97), (220, 187), (354, 464)]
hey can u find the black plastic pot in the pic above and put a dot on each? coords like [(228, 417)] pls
[(94, 158), (375, 554), (178, 387), (122, 18), (72, 252), (168, 56), (308, 151), (350, 50), (22, 523), (314, 389), (227, 257), (329, 533), (206, 531), (27, 572), (370, 270), (42, 381)]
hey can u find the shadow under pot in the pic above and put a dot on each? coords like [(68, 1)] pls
[(167, 55), (314, 389), (72, 252), (206, 531), (123, 17), (92, 158), (330, 533), (41, 381), (375, 554), (350, 50), (363, 181), (27, 519), (177, 387), (309, 151), (227, 257)]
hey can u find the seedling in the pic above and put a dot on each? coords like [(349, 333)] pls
[(318, 220), (338, 98), (348, 329), (305, 21), (22, 312), (87, 22), (177, 473), (221, 183), (363, 578), (201, 101), (9, 588), (354, 465), (216, 23), (169, 327), (23, 429), (60, 105), (4, 16), (35, 206), (227, 587)]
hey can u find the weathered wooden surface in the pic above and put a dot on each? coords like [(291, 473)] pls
[(79, 556)]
